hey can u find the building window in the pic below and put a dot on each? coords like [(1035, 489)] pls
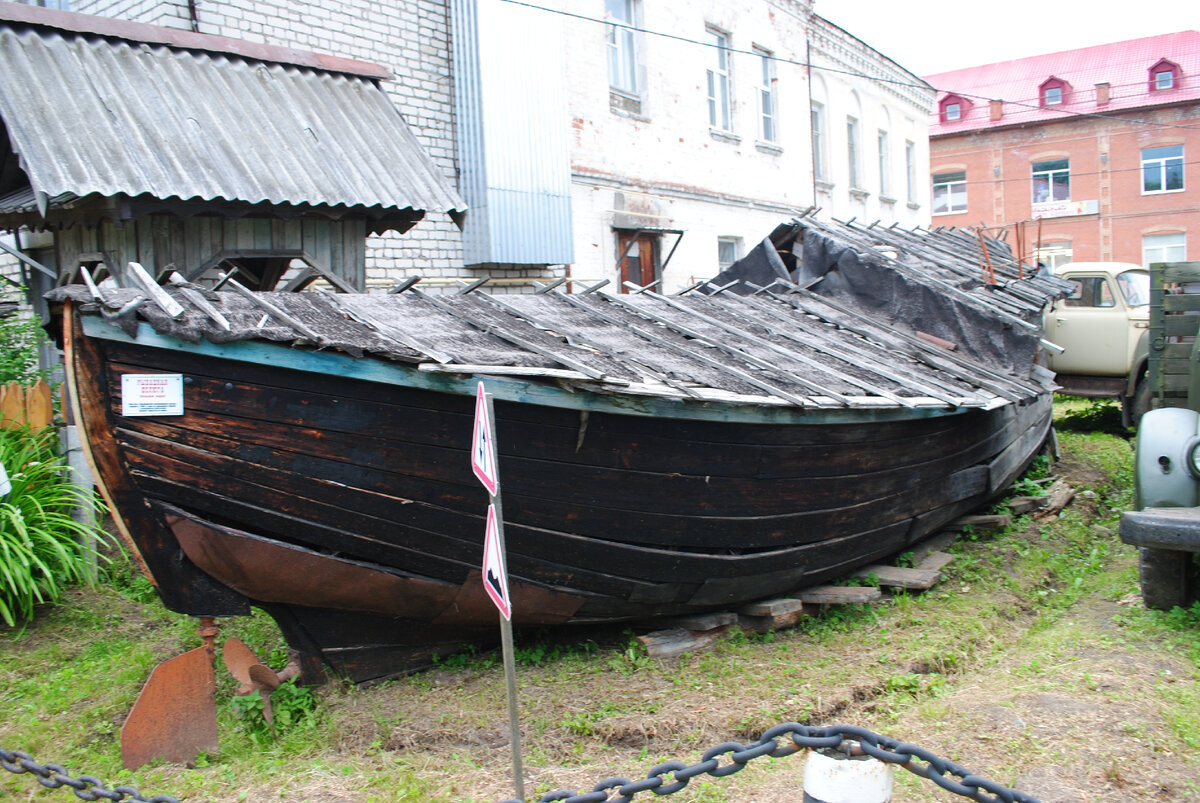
[(1054, 254), (1053, 91), (818, 140), (718, 80), (949, 192), (728, 251), (1053, 96), (852, 148), (1162, 169), (1051, 181), (884, 164), (766, 97), (952, 107), (1163, 248), (910, 171), (1164, 75), (622, 50)]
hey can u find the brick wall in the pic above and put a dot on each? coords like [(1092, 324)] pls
[(1104, 155), (410, 39)]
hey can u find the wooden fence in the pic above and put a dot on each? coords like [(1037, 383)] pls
[(21, 405)]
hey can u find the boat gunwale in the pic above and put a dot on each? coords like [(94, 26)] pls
[(589, 396)]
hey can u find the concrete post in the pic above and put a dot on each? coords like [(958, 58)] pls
[(81, 475), (832, 777)]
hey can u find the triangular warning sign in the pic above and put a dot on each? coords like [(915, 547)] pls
[(483, 451), (495, 577)]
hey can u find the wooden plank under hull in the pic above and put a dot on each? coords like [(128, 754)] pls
[(609, 517)]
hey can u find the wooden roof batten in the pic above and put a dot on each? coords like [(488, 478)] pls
[(782, 344)]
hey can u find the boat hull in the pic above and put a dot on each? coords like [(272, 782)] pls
[(347, 508)]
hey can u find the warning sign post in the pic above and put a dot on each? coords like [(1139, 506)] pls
[(485, 464)]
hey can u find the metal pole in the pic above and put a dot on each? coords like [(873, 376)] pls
[(506, 638)]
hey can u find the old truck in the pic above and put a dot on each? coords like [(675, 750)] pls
[(1101, 331), (1165, 526)]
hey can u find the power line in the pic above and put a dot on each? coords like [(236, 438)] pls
[(809, 65), (1030, 178)]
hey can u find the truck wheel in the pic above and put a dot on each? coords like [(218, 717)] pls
[(1167, 577), (1141, 400)]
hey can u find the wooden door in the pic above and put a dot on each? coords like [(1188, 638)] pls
[(640, 262)]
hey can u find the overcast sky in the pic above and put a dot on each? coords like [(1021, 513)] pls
[(933, 36)]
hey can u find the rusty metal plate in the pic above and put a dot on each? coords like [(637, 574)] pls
[(175, 716)]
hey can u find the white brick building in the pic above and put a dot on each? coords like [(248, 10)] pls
[(410, 38), (871, 137), (598, 139)]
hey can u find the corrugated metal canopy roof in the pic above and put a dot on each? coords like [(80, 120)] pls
[(90, 114)]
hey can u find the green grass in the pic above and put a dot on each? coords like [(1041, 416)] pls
[(1015, 618)]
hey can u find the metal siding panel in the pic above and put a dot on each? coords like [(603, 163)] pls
[(91, 115), (514, 134)]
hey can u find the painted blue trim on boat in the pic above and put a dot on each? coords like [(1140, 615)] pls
[(280, 355)]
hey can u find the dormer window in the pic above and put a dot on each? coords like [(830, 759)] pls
[(1164, 75), (952, 108), (1054, 91)]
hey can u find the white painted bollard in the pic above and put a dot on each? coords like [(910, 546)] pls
[(837, 778)]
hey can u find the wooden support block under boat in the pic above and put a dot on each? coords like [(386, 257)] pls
[(675, 642), (774, 614), (989, 522), (1020, 505), (839, 595), (902, 577)]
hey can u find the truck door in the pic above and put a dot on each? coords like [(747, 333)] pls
[(1082, 323)]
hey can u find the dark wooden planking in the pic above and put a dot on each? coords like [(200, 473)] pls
[(341, 387), (604, 520), (429, 473), (179, 583)]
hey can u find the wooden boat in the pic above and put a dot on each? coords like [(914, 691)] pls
[(659, 455)]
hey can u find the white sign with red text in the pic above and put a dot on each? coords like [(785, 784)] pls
[(151, 394)]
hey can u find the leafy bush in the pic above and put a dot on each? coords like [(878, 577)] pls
[(42, 548), (20, 338)]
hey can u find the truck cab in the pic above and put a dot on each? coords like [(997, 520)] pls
[(1102, 327)]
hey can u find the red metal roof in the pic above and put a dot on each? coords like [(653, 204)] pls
[(1124, 66)]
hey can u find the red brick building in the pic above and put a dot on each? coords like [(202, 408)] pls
[(1099, 147)]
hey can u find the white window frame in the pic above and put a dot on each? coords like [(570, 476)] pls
[(1050, 174), (720, 110), (1160, 165), (950, 188), (853, 151), (768, 130), (1052, 96), (953, 111), (1170, 247), (910, 169), (1169, 83), (622, 47), (819, 141), (733, 244), (1055, 254), (885, 164)]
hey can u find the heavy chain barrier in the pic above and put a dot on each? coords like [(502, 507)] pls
[(86, 787), (916, 760)]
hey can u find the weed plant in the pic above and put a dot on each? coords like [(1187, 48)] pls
[(20, 338), (43, 548)]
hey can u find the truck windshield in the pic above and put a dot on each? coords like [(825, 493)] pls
[(1135, 287)]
